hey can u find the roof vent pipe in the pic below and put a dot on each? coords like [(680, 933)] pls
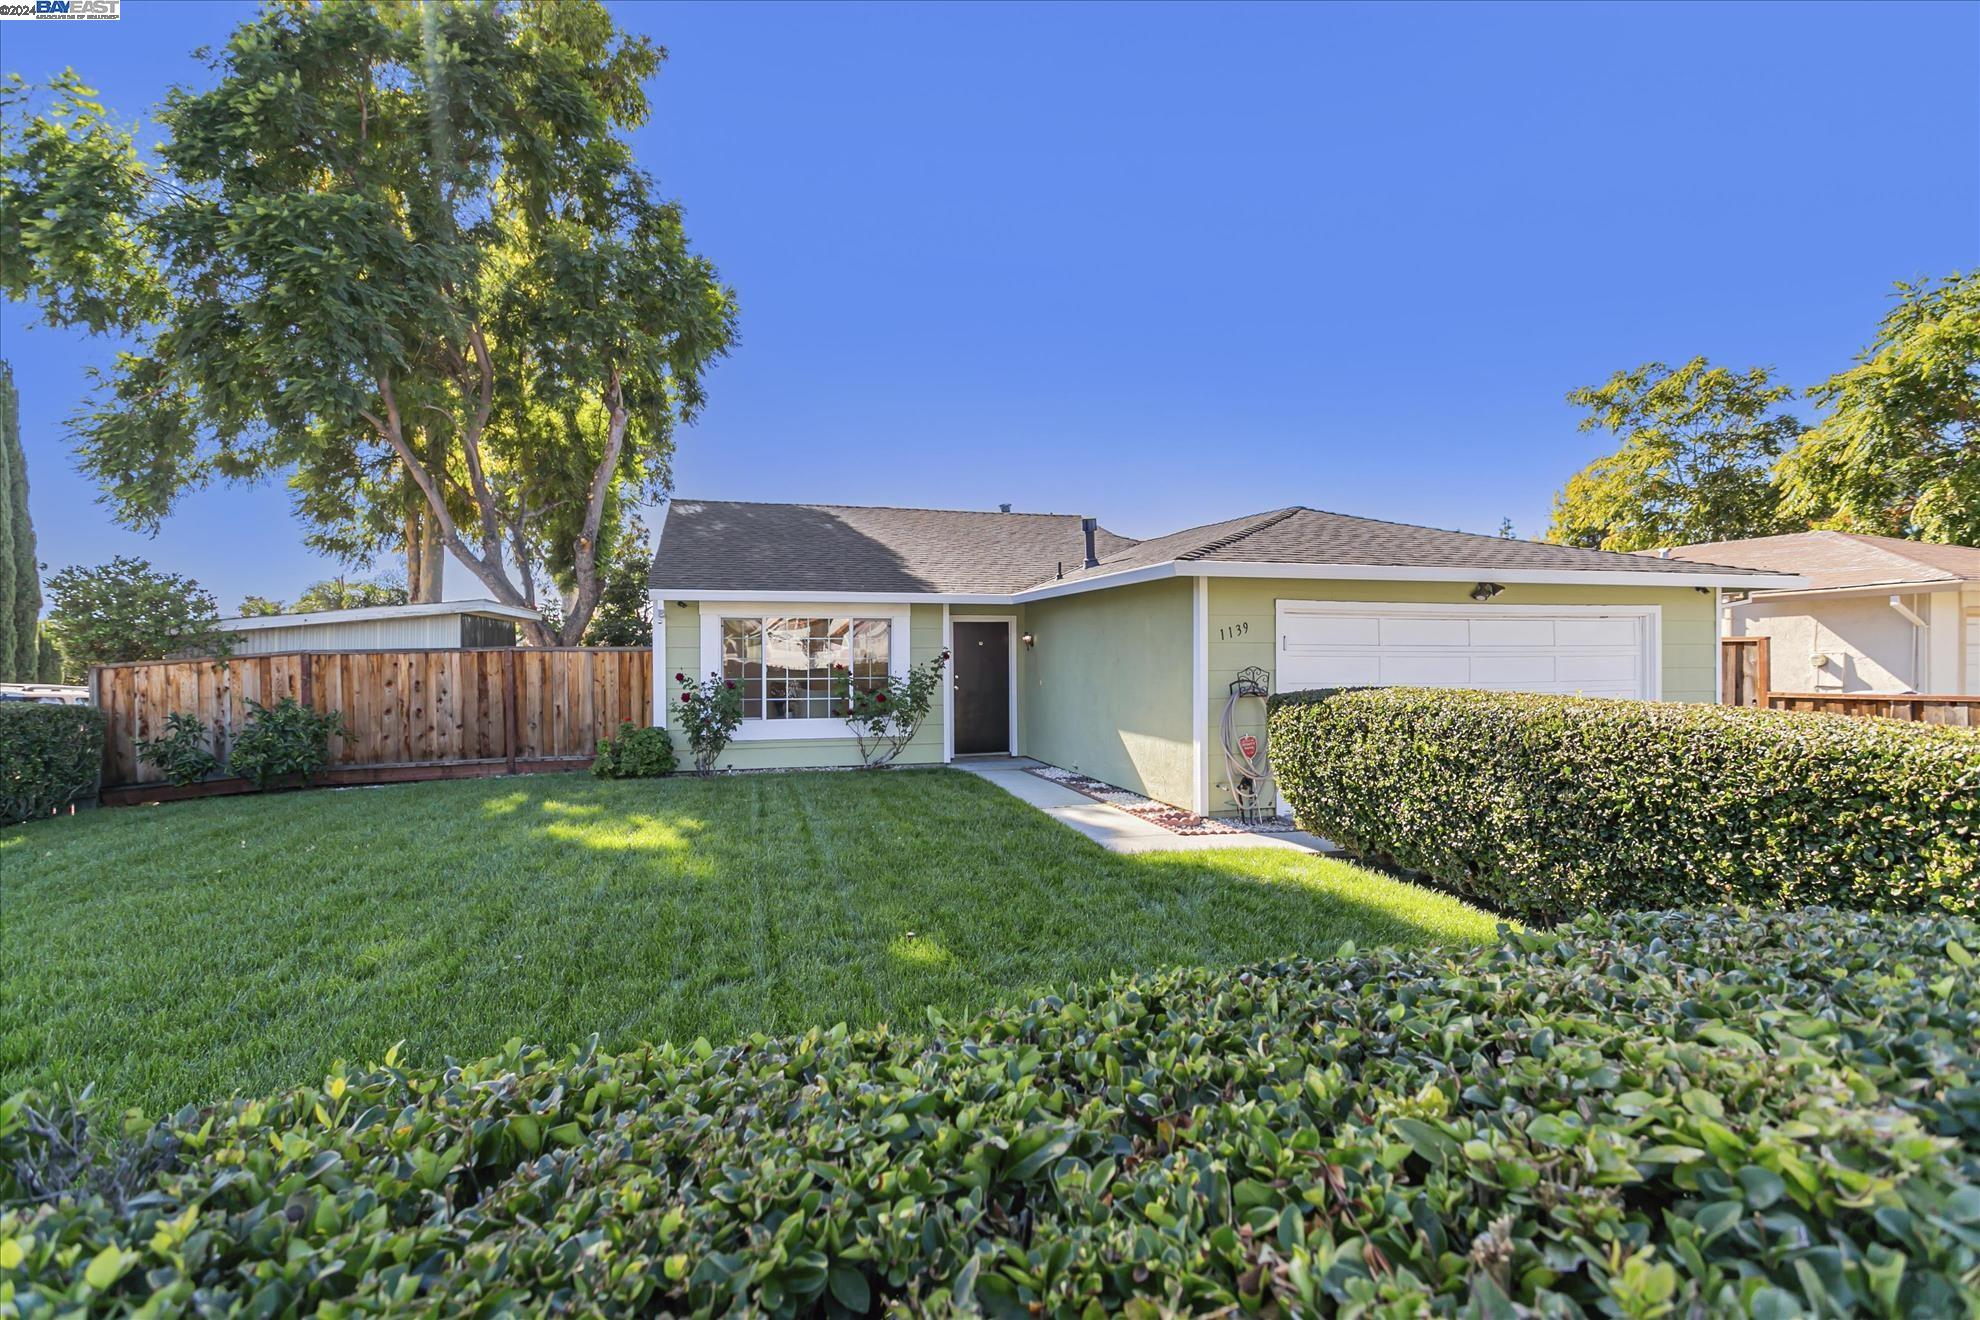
[(1003, 508), (1087, 525)]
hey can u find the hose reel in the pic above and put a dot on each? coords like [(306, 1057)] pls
[(1245, 763)]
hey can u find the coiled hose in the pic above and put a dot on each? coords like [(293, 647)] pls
[(1247, 774)]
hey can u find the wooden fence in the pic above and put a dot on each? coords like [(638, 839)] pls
[(416, 714), (1746, 679), (1961, 712), (1745, 670)]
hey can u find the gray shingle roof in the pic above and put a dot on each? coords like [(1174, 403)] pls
[(730, 546), (1843, 559)]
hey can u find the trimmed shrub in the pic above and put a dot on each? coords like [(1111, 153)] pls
[(282, 740), (636, 753), (50, 756), (1545, 807), (1654, 1114)]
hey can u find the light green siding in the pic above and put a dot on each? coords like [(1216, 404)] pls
[(1247, 607), (1106, 688), (683, 643)]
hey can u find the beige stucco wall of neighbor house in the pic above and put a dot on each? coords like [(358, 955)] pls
[(1243, 623), (1873, 648), (1106, 686), (683, 643)]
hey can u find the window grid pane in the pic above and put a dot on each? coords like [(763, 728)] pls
[(788, 668)]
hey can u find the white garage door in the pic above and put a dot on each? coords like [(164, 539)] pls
[(1596, 651)]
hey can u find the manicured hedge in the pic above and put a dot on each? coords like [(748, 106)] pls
[(1545, 807), (50, 756), (1644, 1115)]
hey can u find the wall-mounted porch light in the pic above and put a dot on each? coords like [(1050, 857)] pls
[(1028, 641), (1484, 591)]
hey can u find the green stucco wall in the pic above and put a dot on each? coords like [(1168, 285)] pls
[(1688, 631), (1106, 688), (683, 642)]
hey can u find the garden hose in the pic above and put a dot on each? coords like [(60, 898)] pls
[(1247, 771)]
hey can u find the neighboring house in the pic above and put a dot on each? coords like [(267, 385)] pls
[(447, 623), (1879, 614), (1115, 657)]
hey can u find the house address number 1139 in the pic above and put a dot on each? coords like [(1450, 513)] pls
[(1234, 630)]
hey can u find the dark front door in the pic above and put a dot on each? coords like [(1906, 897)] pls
[(982, 675)]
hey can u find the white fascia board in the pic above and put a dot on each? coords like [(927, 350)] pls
[(831, 597), (1542, 576), (1870, 589), (1126, 577)]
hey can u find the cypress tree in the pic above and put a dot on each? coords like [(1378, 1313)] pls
[(48, 665), (10, 425), (21, 597)]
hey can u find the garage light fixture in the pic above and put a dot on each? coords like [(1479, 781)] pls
[(1027, 639), (1484, 591)]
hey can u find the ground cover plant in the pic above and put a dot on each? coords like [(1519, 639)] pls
[(188, 951), (1767, 1115), (1545, 807)]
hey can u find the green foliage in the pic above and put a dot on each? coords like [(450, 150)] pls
[(126, 610), (885, 712), (50, 756), (1899, 450), (48, 665), (1546, 807), (348, 594), (625, 615), (709, 713), (20, 573), (1698, 448), (1654, 1114), (435, 290), (636, 753), (183, 753), (284, 740), (338, 593)]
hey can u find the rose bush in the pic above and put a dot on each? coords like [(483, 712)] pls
[(885, 713), (709, 713)]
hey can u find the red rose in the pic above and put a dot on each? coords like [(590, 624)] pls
[(731, 686), (687, 696), (879, 696), (680, 678)]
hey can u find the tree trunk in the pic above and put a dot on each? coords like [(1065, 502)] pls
[(432, 561)]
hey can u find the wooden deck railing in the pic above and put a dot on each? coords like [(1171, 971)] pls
[(414, 714), (1921, 708), (1746, 679)]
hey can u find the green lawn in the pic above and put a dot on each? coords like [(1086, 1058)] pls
[(182, 952)]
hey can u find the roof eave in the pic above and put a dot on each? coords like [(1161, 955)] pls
[(1599, 577), (487, 609)]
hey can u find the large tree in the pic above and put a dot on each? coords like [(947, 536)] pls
[(1899, 451), (1698, 444), (127, 610), (392, 250), (20, 574)]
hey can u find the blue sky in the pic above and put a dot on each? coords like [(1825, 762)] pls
[(1172, 264)]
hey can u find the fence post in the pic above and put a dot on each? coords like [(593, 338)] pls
[(1763, 670), (509, 703)]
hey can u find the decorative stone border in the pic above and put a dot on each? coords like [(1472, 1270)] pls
[(1173, 819)]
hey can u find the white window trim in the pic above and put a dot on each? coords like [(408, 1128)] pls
[(1010, 622), (899, 642)]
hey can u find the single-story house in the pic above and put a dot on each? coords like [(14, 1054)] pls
[(1879, 614), (1115, 657), (441, 624)]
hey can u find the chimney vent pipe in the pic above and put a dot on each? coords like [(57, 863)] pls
[(1087, 525)]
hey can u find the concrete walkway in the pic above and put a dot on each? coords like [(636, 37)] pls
[(1112, 828)]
